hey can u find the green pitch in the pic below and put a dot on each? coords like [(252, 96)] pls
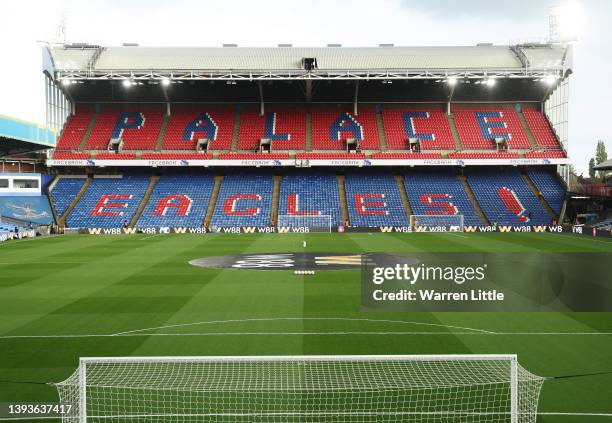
[(70, 296)]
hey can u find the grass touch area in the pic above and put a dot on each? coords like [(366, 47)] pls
[(69, 296)]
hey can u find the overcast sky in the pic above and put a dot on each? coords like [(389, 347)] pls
[(314, 23)]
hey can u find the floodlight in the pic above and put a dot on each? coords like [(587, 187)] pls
[(126, 83), (490, 82), (550, 79), (165, 82), (452, 81), (66, 82)]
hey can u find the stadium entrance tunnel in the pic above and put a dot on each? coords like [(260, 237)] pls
[(300, 261)]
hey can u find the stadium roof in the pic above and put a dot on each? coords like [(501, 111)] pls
[(17, 136), (607, 165), (210, 63)]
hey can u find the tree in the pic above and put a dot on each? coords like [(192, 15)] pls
[(601, 156), (600, 152), (591, 166)]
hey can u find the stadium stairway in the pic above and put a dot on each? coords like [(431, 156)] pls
[(382, 136), (213, 200), (541, 198), (162, 133), (75, 201), (399, 179), (473, 200), (145, 200), (236, 133), (527, 129), (51, 200), (342, 196), (454, 131), (308, 131), (275, 199), (90, 127)]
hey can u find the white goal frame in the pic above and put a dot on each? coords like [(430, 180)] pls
[(427, 222), (78, 382), (322, 222)]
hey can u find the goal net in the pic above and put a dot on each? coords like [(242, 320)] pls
[(436, 222), (437, 388), (306, 223)]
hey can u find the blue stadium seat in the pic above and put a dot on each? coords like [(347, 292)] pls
[(91, 213), (374, 200), (439, 186), (505, 198), (245, 199), (64, 191), (178, 200), (314, 192), (549, 185)]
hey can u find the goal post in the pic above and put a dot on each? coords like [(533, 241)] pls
[(406, 388), (436, 222), (305, 223)]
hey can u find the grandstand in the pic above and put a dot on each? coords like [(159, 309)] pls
[(438, 150)]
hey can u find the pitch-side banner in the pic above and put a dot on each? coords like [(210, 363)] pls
[(463, 282), (8, 236), (466, 228), (302, 230)]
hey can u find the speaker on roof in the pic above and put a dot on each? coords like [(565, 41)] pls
[(309, 63)]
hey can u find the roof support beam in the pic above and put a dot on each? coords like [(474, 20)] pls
[(287, 75), (309, 90), (356, 98), (261, 100)]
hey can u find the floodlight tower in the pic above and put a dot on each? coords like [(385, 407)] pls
[(564, 23)]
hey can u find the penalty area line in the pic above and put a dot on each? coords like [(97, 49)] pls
[(150, 236), (333, 333)]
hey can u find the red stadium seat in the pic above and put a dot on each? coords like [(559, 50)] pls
[(70, 155), (220, 118), (407, 156), (115, 156), (324, 138), (176, 156), (286, 124), (432, 124), (143, 137), (254, 156), (330, 156), (545, 155), (472, 133), (75, 129), (541, 129), (483, 155)]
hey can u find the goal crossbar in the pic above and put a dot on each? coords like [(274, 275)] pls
[(273, 358)]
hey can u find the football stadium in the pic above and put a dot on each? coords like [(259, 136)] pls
[(292, 234)]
